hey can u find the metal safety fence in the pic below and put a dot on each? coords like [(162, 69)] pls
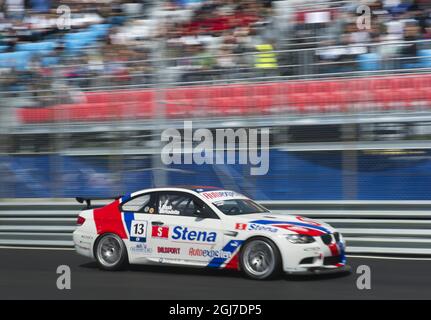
[(369, 227)]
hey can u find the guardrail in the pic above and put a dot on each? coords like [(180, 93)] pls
[(381, 227)]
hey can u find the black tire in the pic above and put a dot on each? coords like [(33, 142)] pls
[(260, 259), (110, 252)]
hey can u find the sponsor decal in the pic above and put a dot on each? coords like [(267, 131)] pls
[(230, 262), (223, 194), (185, 234), (168, 250), (165, 208), (240, 226), (141, 248), (160, 232), (209, 253), (313, 230), (258, 227), (148, 209)]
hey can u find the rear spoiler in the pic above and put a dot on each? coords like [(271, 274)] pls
[(88, 200)]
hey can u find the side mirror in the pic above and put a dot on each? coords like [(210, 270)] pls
[(198, 212)]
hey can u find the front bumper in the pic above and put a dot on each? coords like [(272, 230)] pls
[(313, 258)]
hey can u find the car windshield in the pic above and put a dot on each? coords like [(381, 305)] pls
[(234, 207)]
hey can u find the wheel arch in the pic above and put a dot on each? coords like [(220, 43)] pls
[(254, 237), (99, 236)]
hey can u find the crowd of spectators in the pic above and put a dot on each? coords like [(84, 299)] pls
[(395, 33), (142, 42)]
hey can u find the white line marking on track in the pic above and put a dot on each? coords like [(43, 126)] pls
[(36, 248), (387, 258)]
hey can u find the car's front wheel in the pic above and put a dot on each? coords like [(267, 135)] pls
[(110, 252), (260, 259)]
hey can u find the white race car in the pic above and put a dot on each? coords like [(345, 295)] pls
[(206, 227)]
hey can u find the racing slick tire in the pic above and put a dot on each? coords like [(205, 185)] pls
[(110, 252), (260, 259)]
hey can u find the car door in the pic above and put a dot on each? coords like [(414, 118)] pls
[(137, 213), (184, 230)]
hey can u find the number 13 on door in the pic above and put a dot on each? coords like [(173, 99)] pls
[(138, 231)]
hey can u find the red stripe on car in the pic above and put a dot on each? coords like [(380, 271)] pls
[(233, 263), (108, 219), (300, 230), (334, 249)]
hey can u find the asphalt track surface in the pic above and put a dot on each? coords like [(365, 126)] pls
[(31, 274)]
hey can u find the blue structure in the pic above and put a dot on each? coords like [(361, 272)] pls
[(291, 176)]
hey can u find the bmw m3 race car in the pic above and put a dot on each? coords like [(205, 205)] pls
[(206, 227)]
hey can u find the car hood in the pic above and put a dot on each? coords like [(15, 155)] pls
[(289, 223)]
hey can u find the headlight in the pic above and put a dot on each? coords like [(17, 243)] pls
[(300, 238)]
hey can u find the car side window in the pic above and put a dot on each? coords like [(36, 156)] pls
[(206, 212), (182, 204), (140, 204)]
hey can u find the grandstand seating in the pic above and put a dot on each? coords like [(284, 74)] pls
[(17, 59), (74, 42), (369, 62), (372, 61), (379, 93), (42, 47)]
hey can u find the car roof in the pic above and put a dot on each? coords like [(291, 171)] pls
[(197, 189), (210, 192)]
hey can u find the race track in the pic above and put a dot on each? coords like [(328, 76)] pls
[(31, 274)]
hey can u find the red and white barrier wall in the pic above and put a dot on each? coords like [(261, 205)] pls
[(379, 93)]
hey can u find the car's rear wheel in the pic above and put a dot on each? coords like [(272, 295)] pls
[(110, 252), (260, 259)]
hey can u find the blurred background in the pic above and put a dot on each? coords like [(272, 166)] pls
[(87, 86)]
